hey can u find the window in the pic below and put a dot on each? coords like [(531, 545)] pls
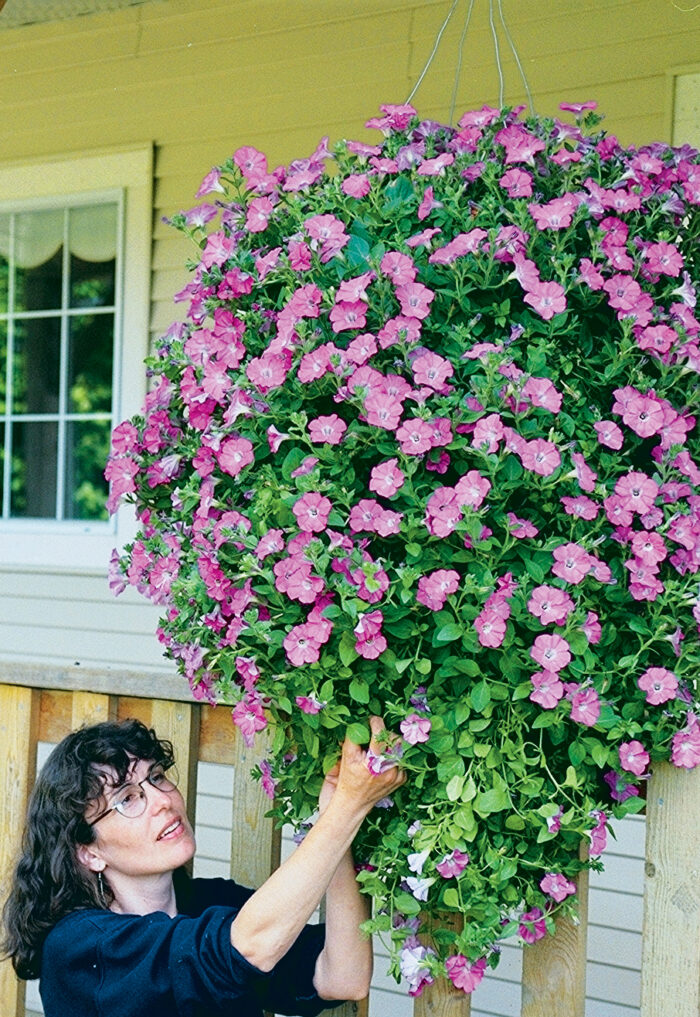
[(58, 272), (73, 335)]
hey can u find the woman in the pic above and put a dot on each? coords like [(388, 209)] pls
[(103, 913)]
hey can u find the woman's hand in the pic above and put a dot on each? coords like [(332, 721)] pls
[(353, 776)]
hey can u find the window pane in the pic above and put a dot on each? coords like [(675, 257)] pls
[(4, 262), (87, 447), (38, 260), (92, 241), (90, 346), (3, 367), (34, 455), (36, 366)]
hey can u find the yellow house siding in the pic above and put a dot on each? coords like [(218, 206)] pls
[(201, 78)]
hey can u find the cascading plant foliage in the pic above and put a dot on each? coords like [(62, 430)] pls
[(425, 447)]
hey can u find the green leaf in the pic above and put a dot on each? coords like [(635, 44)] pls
[(600, 755), (424, 665), (577, 753), (454, 788), (447, 633), (480, 696), (358, 733), (534, 570), (493, 800), (545, 720), (451, 898), (357, 252), (359, 690), (407, 904), (346, 648)]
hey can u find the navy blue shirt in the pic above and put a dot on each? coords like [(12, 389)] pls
[(101, 964)]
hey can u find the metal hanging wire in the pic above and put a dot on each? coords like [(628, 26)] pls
[(458, 72), (516, 57), (497, 54)]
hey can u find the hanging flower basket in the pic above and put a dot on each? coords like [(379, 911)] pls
[(425, 448)]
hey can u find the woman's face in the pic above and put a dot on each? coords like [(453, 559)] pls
[(157, 841)]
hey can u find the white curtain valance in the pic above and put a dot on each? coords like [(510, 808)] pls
[(92, 234)]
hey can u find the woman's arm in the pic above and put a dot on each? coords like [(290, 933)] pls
[(344, 966), (270, 921)]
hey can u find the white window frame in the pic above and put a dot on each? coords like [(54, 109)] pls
[(124, 175)]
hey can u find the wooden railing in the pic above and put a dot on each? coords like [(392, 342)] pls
[(553, 982)]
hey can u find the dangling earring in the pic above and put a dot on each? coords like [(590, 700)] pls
[(101, 891)]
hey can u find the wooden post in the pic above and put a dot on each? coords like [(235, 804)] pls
[(442, 998), (255, 843), (671, 937), (19, 726), (554, 968), (179, 723), (91, 708)]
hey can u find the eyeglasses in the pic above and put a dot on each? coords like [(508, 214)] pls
[(131, 798)]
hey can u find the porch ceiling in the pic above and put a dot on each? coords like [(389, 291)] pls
[(26, 12)]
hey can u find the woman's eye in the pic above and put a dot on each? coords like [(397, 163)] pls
[(157, 777), (130, 796)]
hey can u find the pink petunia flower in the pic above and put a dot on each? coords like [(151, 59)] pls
[(609, 434), (415, 729), (356, 185), (580, 507), (547, 689), (471, 489), (547, 299), (550, 605), (552, 652), (234, 455), (571, 562), (532, 926), (521, 528), (434, 588), (633, 757), (540, 456), (327, 430), (463, 974), (309, 704), (249, 718), (542, 393), (312, 511), (300, 645), (517, 182), (348, 315), (491, 628), (644, 414), (453, 864), (432, 370), (585, 707), (398, 267), (685, 744), (415, 436), (557, 886), (386, 478), (591, 628), (637, 492), (415, 299), (660, 685)]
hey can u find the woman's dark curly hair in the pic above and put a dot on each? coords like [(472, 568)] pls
[(49, 882)]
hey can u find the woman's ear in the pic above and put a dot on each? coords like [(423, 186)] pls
[(89, 857)]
